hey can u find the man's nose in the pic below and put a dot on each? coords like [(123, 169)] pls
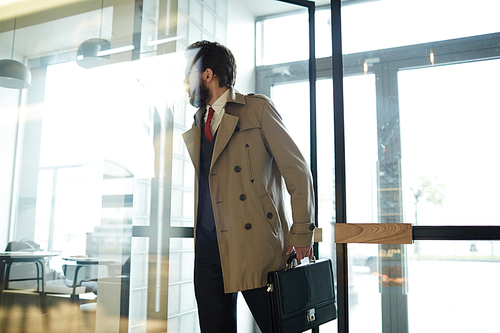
[(185, 83)]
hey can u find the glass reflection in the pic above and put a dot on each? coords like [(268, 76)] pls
[(90, 156), (97, 170)]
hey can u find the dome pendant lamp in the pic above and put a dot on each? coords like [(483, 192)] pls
[(94, 51), (14, 74)]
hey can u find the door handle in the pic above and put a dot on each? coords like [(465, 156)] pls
[(375, 233)]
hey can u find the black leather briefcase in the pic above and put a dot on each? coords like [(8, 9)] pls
[(302, 296)]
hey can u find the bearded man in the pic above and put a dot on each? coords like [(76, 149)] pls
[(243, 155)]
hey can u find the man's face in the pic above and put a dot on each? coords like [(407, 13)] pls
[(195, 86)]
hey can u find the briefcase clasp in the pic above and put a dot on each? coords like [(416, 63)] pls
[(311, 315)]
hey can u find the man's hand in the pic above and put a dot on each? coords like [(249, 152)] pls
[(302, 252)]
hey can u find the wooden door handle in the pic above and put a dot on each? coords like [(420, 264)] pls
[(375, 233)]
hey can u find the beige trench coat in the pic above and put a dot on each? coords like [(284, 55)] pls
[(252, 155)]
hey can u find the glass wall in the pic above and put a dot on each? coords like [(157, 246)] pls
[(97, 186)]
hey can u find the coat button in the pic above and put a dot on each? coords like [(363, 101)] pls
[(269, 215), (243, 197), (237, 168), (312, 227), (248, 226)]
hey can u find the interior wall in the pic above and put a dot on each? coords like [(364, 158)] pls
[(9, 111), (241, 41), (8, 130)]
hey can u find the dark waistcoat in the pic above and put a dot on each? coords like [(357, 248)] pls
[(205, 211)]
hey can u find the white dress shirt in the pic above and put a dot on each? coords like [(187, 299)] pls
[(218, 106)]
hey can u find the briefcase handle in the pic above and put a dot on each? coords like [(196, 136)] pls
[(293, 262)]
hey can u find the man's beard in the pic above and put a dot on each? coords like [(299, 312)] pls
[(200, 95)]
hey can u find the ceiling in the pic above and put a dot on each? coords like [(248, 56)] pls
[(42, 39), (261, 8)]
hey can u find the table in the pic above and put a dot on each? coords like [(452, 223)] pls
[(8, 258)]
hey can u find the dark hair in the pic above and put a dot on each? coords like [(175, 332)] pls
[(218, 58)]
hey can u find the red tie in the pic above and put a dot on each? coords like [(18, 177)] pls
[(208, 132)]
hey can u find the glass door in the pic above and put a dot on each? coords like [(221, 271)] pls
[(434, 111)]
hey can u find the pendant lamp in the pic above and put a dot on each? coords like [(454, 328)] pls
[(14, 74), (94, 51), (89, 54)]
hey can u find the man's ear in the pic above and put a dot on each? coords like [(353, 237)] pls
[(208, 75)]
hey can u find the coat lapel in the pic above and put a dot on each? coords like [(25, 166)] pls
[(224, 133), (192, 139), (227, 125)]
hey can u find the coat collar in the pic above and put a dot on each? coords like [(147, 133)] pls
[(226, 129), (233, 97)]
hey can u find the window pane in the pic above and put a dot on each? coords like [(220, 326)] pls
[(326, 179), (283, 39), (436, 283), (182, 311), (447, 275), (293, 112), (449, 120), (360, 117), (365, 299), (430, 20)]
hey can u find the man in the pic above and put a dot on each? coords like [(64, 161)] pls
[(241, 151)]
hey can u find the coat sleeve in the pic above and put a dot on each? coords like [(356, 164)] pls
[(296, 173)]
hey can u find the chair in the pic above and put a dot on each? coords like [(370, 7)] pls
[(81, 276), (77, 279)]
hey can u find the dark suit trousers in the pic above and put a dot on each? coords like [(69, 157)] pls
[(217, 310)]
